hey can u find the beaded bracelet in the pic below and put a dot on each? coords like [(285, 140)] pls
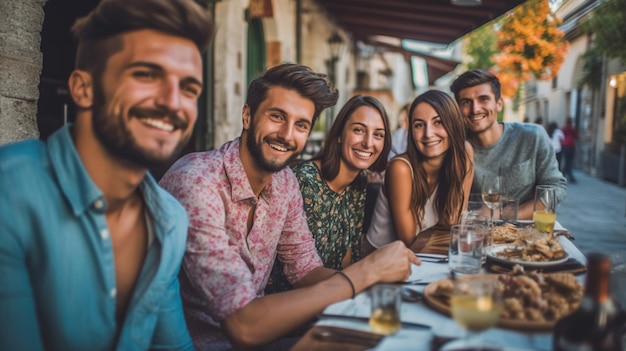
[(349, 281)]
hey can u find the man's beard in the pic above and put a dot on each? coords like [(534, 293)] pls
[(257, 155), (113, 134)]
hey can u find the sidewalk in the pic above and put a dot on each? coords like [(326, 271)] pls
[(595, 213)]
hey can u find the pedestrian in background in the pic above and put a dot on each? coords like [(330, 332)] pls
[(399, 137), (569, 148), (557, 137)]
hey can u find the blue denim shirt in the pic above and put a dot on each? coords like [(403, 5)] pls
[(57, 274)]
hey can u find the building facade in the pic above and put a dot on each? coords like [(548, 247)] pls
[(594, 110)]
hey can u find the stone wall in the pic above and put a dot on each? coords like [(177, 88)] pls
[(20, 67)]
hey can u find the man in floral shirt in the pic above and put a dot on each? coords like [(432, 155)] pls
[(245, 210)]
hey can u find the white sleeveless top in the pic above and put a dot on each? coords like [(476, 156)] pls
[(382, 231)]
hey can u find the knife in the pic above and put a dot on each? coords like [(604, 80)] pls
[(366, 319), (336, 334)]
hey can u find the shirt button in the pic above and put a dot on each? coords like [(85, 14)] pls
[(98, 204), (104, 234), (113, 293)]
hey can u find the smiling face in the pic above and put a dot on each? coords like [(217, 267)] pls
[(278, 131), (480, 106), (145, 102), (429, 134), (362, 139)]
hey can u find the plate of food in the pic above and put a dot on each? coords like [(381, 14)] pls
[(530, 301), (536, 252), (507, 234)]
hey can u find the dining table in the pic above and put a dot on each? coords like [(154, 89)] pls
[(423, 327)]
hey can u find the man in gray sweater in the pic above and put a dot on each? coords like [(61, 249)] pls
[(520, 152)]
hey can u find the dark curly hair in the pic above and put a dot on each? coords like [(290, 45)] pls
[(473, 78), (292, 76)]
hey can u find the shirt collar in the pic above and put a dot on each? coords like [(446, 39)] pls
[(158, 204), (80, 190), (74, 181), (236, 174)]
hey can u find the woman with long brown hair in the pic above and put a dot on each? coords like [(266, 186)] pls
[(334, 183), (429, 184)]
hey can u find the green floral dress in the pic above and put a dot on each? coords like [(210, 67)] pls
[(336, 220)]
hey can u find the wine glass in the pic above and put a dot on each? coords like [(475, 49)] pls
[(475, 304), (491, 192)]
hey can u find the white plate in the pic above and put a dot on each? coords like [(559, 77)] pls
[(493, 250)]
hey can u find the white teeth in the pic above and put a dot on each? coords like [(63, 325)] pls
[(432, 143), (363, 154), (158, 123), (278, 147)]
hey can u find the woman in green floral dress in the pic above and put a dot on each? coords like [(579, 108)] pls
[(334, 183)]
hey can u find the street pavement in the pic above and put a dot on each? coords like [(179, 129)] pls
[(595, 213)]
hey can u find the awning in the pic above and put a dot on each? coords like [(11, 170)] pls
[(435, 66), (436, 21)]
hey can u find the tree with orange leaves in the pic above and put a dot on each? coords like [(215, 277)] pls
[(530, 45)]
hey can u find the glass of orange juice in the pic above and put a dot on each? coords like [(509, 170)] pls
[(544, 209)]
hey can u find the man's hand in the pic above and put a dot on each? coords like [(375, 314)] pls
[(390, 263)]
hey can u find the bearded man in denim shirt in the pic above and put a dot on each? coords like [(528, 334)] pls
[(91, 247)]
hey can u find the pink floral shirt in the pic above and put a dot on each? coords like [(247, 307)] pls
[(225, 267)]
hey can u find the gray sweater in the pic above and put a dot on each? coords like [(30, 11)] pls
[(524, 157)]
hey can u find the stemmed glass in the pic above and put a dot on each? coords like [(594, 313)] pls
[(475, 304), (491, 192)]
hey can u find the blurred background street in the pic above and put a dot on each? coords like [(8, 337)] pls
[(595, 213)]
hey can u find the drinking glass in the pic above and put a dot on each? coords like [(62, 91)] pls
[(491, 192), (544, 208), (476, 205), (508, 209), (466, 249), (386, 307), (481, 222), (475, 304)]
